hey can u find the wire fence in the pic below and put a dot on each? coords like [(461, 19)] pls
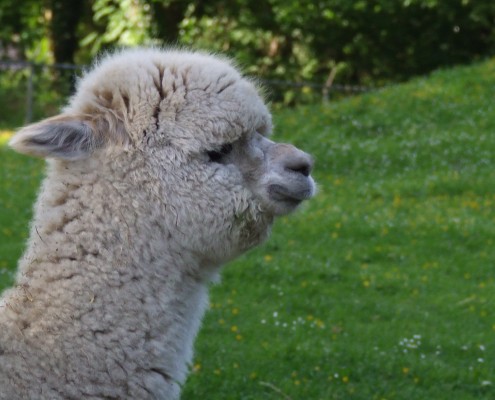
[(30, 70)]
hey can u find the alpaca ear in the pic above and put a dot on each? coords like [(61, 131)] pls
[(65, 137)]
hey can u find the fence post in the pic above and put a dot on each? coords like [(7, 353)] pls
[(30, 94), (328, 84)]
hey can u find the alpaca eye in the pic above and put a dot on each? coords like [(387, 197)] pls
[(218, 155)]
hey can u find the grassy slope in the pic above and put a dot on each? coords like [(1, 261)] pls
[(380, 288), (19, 179)]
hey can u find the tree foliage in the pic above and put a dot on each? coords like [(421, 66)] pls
[(363, 41)]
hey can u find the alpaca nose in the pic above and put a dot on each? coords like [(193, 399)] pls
[(297, 161)]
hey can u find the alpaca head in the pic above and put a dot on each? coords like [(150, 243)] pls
[(191, 124)]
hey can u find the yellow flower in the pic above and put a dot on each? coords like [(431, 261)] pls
[(268, 258), (234, 328), (5, 136), (7, 232), (397, 201), (320, 324), (345, 379)]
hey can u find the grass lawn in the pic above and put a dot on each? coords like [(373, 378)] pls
[(382, 287)]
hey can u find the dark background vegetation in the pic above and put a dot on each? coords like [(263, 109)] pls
[(287, 43)]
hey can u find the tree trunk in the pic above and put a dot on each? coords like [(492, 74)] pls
[(63, 28)]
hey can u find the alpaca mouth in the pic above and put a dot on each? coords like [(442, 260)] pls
[(290, 195)]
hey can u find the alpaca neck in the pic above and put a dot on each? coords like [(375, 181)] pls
[(154, 316), (84, 280)]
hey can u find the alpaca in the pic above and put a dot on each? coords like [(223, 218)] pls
[(159, 171)]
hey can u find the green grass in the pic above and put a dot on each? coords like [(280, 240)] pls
[(382, 287), (19, 180)]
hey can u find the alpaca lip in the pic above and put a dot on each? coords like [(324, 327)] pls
[(283, 193)]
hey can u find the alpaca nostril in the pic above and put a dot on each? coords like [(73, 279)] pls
[(302, 168), (303, 164), (292, 160)]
